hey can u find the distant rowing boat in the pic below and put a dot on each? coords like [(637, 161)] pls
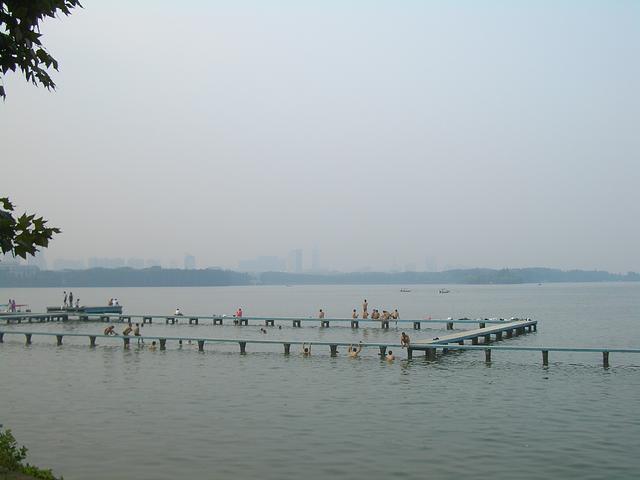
[(444, 290), (405, 290)]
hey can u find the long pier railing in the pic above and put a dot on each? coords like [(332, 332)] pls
[(431, 347), (240, 321)]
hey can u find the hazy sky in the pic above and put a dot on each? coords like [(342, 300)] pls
[(495, 133)]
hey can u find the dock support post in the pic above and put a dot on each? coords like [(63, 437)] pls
[(474, 341), (430, 353), (334, 350), (355, 324), (28, 338), (509, 333), (545, 357), (217, 320), (416, 325), (383, 350), (498, 335), (461, 342), (324, 323), (126, 341), (201, 345), (243, 346), (193, 320), (482, 325), (535, 327), (166, 321), (487, 338), (1, 337), (605, 359), (409, 353), (487, 355), (147, 320), (92, 340), (449, 325), (59, 339), (297, 323), (287, 348), (385, 324), (163, 344)]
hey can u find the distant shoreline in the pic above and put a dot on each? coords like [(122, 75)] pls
[(12, 276)]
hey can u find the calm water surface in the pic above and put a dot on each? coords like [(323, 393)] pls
[(107, 413)]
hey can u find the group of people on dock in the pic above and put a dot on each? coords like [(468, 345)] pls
[(67, 301), (113, 302), (11, 306), (375, 313)]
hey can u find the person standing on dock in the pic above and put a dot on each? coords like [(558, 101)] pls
[(354, 315), (127, 331), (65, 298), (321, 314), (365, 306), (404, 340), (71, 299)]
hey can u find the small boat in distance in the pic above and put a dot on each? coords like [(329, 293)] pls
[(444, 290), (405, 290)]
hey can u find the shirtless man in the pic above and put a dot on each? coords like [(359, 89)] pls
[(390, 356), (127, 330), (153, 345), (404, 340), (395, 315), (365, 306), (354, 315), (320, 314), (306, 350), (353, 353), (110, 330), (136, 332), (385, 315)]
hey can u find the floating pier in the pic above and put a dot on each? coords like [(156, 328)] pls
[(430, 347), (241, 321)]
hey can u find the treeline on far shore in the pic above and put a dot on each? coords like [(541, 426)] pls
[(18, 276)]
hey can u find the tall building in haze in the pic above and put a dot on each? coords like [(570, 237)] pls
[(189, 262)]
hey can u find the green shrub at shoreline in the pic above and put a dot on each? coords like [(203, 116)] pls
[(12, 460)]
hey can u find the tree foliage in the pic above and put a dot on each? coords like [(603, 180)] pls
[(21, 236), (12, 458), (20, 38)]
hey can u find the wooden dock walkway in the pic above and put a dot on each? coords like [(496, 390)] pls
[(296, 322), (429, 346)]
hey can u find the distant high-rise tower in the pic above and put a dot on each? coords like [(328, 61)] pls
[(189, 262), (295, 261), (315, 259)]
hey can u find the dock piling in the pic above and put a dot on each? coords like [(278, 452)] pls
[(163, 343), (416, 325), (430, 353), (482, 325), (498, 335), (355, 324), (474, 341), (297, 323), (449, 325), (287, 348), (487, 355), (193, 320), (383, 350), (385, 324), (409, 353), (243, 347), (1, 337), (334, 350), (487, 339), (545, 357), (125, 339), (59, 339), (27, 338), (201, 345), (605, 359), (92, 340), (147, 320)]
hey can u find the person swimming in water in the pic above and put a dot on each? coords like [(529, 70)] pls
[(390, 356), (354, 315), (353, 352), (306, 350)]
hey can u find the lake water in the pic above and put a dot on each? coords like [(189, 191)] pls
[(110, 413)]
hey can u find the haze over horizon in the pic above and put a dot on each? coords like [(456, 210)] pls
[(488, 134)]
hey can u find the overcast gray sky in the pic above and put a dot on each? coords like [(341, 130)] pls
[(491, 133)]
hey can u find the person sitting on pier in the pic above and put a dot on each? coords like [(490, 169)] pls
[(395, 315), (110, 330), (320, 314), (404, 340), (375, 315), (77, 303), (353, 352), (110, 302), (390, 356), (385, 315), (238, 313), (354, 315), (178, 313), (127, 330), (306, 350)]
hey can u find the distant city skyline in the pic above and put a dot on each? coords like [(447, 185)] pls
[(495, 134)]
